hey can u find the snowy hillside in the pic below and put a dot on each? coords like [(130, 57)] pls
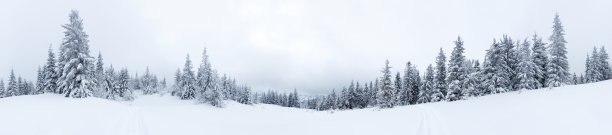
[(581, 109)]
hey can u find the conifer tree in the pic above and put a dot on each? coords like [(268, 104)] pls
[(188, 89), (50, 74), (526, 68), (76, 65), (540, 59), (440, 83), (12, 88), (385, 94), (456, 72), (557, 69), (606, 70), (2, 89), (427, 92)]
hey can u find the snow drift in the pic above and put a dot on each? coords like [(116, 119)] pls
[(579, 109)]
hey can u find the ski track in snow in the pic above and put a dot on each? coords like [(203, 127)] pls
[(430, 123)]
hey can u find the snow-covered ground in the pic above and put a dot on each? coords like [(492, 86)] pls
[(582, 109)]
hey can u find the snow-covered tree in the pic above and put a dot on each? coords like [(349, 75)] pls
[(557, 69), (205, 74), (188, 82), (49, 73), (526, 68), (426, 93), (605, 68), (456, 72), (510, 57), (2, 88), (495, 76), (39, 82), (99, 77), (398, 90), (386, 92), (411, 85), (75, 64), (149, 83), (12, 88), (540, 59), (440, 83), (125, 93), (177, 87), (213, 96)]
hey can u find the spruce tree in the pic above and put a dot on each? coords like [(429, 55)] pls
[(39, 82), (540, 59), (204, 77), (427, 93), (50, 74), (2, 89), (606, 70), (456, 72), (76, 65), (398, 97), (188, 89), (494, 70), (12, 88), (440, 83), (557, 69), (125, 93), (385, 94), (526, 68)]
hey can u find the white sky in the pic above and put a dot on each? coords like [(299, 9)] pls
[(311, 45)]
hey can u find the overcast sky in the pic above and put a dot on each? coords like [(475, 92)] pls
[(311, 45)]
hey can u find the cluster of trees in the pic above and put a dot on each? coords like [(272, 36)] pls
[(509, 65), (277, 98), (17, 86), (207, 86), (597, 68)]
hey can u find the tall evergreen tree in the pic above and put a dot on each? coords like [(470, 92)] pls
[(606, 70), (540, 59), (188, 89), (39, 82), (526, 68), (75, 63), (50, 74), (125, 93), (2, 89), (557, 69), (205, 74), (386, 92), (428, 92), (13, 88), (456, 72), (440, 83), (495, 76), (398, 90)]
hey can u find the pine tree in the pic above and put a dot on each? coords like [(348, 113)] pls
[(176, 91), (474, 86), (456, 72), (188, 89), (204, 77), (99, 77), (557, 67), (12, 89), (39, 82), (606, 70), (540, 59), (411, 85), (385, 94), (50, 74), (213, 96), (440, 83), (399, 90), (494, 70), (427, 92), (75, 63), (510, 57), (111, 85), (526, 68), (2, 89), (125, 93)]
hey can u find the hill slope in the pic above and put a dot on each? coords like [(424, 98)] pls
[(581, 109)]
